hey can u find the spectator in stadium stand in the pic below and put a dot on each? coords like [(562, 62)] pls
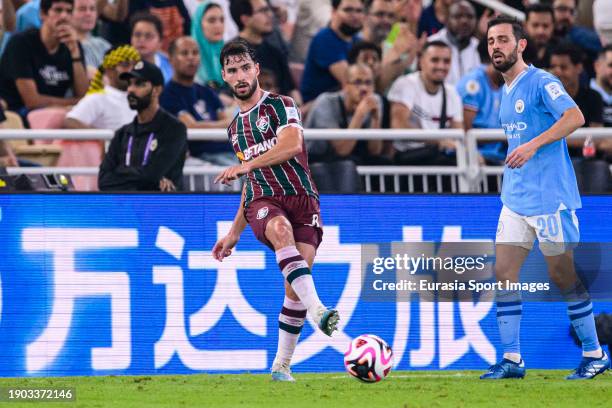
[(326, 64), (380, 16), (7, 157), (207, 29), (402, 45), (459, 35), (147, 154), (539, 26), (356, 106), (146, 37), (105, 106), (481, 91), (434, 17), (28, 15), (565, 28), (39, 66), (566, 64), (115, 19), (364, 52), (85, 18), (255, 20), (196, 106), (312, 16), (602, 21), (602, 83), (423, 100)]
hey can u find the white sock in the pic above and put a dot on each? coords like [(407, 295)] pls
[(290, 322), (297, 273), (515, 357)]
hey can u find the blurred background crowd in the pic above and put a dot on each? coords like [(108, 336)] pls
[(348, 64)]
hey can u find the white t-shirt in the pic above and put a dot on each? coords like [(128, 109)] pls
[(103, 110), (462, 61), (424, 107)]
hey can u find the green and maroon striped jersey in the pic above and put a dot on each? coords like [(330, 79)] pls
[(254, 132)]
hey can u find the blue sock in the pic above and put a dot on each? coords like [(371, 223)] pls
[(580, 312), (509, 312)]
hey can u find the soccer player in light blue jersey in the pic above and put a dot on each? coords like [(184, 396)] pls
[(540, 197)]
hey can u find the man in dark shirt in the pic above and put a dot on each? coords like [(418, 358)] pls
[(539, 25), (149, 153), (39, 66), (197, 106), (255, 20), (566, 63), (325, 68)]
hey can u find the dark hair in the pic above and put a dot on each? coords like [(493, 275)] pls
[(359, 46), (145, 16), (483, 51), (174, 45), (45, 5), (539, 8), (517, 27), (239, 8), (604, 51), (236, 47), (574, 53), (435, 43), (336, 3)]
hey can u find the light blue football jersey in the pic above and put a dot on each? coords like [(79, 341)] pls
[(534, 102), (477, 93)]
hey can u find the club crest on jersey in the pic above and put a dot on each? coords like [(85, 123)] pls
[(472, 87), (262, 124), (519, 106), (262, 213)]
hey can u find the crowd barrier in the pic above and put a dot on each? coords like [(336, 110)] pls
[(96, 284), (467, 175)]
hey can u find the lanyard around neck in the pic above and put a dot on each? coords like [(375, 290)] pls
[(128, 155)]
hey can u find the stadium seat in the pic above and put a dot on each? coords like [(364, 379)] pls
[(47, 118)]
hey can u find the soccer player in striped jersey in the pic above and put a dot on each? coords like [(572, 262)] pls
[(279, 199)]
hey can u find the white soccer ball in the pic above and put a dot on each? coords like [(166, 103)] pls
[(368, 358)]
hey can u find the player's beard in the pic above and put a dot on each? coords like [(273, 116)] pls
[(246, 96), (140, 103), (508, 62)]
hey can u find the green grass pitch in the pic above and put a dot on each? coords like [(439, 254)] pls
[(541, 388)]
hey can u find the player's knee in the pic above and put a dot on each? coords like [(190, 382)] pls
[(504, 272), (280, 232)]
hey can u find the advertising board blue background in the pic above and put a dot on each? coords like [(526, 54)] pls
[(124, 284)]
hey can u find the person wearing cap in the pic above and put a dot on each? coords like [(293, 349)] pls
[(105, 105), (147, 154)]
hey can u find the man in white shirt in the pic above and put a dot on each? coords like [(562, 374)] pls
[(459, 35), (423, 100), (106, 106)]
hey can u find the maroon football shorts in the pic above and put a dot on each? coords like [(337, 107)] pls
[(302, 211)]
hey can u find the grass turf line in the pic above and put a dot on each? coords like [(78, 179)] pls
[(541, 388)]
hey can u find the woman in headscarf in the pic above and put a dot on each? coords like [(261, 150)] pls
[(207, 29)]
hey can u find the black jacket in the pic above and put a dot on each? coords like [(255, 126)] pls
[(143, 168)]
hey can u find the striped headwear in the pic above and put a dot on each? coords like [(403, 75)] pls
[(112, 58)]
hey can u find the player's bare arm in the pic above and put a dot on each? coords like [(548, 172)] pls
[(290, 142), (223, 247), (571, 120)]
